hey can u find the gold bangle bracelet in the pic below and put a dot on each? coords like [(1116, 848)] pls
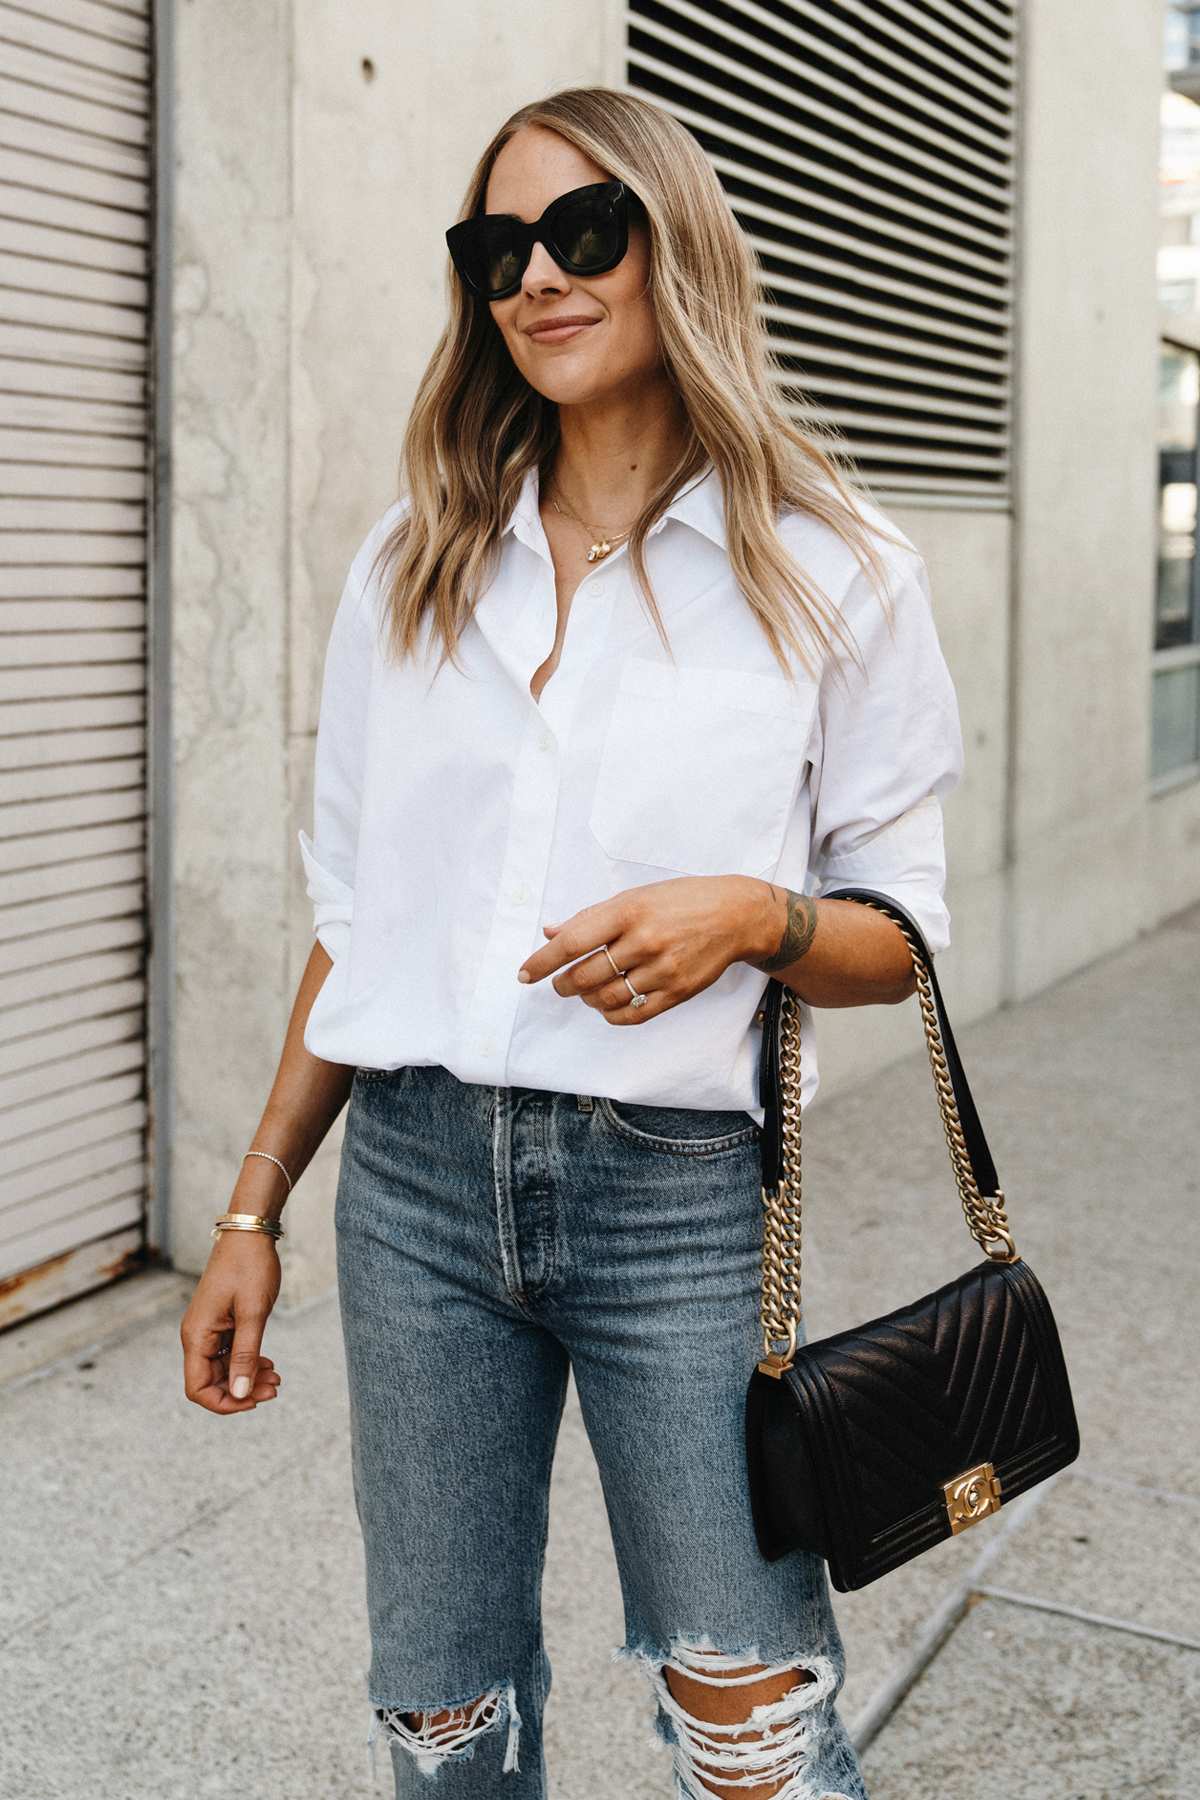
[(247, 1222)]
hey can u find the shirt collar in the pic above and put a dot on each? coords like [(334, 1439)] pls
[(525, 520), (701, 505)]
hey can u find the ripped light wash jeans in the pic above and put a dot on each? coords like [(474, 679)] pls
[(490, 1239)]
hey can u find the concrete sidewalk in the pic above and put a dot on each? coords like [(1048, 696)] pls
[(180, 1600)]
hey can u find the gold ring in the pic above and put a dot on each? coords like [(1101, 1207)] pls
[(619, 973)]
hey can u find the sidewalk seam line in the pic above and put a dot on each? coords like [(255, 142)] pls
[(941, 1622), (121, 1333), (1088, 1618), (118, 1335), (1134, 1487)]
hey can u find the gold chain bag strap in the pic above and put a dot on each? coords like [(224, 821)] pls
[(871, 1446)]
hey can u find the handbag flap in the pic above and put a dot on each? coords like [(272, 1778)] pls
[(968, 1375)]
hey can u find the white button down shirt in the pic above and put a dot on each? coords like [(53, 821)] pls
[(454, 814)]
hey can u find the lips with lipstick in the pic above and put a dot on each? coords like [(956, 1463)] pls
[(559, 328)]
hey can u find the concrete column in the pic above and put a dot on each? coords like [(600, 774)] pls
[(1087, 332), (230, 597), (321, 155)]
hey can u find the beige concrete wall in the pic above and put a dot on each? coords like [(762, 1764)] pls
[(1085, 492), (967, 555), (230, 590), (310, 206)]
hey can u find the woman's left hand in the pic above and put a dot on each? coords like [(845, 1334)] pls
[(673, 939)]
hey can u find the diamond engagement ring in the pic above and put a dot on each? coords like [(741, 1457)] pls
[(635, 999)]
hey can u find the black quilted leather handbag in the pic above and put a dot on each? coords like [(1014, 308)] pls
[(876, 1444)]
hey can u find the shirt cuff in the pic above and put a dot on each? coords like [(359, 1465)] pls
[(907, 862), (333, 903)]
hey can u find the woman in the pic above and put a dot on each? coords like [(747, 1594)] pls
[(629, 670)]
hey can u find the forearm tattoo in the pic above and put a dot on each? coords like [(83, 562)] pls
[(797, 933)]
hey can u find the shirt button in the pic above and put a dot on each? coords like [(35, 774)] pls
[(485, 1046), (595, 589), (519, 896), (544, 741)]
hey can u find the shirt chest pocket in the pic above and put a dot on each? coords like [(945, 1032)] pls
[(700, 767)]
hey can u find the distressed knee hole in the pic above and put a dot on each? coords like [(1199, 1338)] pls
[(741, 1727), (451, 1734)]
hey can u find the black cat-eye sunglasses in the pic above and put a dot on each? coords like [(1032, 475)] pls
[(585, 231)]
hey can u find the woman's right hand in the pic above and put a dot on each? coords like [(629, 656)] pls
[(237, 1290), (223, 1327)]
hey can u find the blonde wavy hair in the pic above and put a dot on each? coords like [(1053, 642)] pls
[(477, 427)]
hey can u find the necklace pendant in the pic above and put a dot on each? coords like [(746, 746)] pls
[(599, 551)]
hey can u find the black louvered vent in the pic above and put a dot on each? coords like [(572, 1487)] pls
[(867, 148)]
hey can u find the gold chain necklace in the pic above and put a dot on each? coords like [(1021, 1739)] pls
[(605, 542)]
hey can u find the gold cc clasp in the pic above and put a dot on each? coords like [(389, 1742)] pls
[(972, 1496)]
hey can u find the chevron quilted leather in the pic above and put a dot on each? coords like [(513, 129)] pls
[(849, 1451)]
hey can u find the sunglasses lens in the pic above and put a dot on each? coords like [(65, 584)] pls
[(588, 234), (491, 258)]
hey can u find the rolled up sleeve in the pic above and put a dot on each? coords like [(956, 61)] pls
[(331, 854), (890, 751), (333, 903)]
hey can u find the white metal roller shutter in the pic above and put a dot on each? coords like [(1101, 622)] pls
[(867, 148), (74, 219)]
